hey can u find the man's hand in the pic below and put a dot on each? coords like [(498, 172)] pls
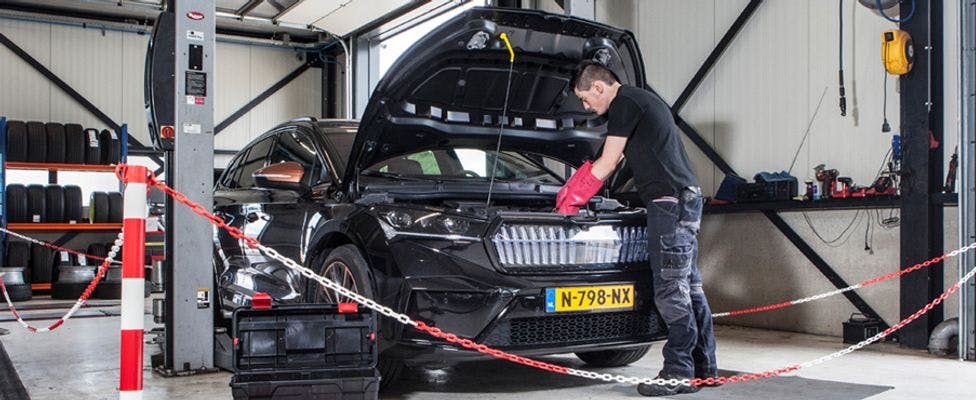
[(588, 179), (578, 190)]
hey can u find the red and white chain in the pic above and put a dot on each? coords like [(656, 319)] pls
[(52, 245), (866, 283), (81, 300), (469, 344)]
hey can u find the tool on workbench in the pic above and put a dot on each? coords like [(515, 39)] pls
[(827, 178)]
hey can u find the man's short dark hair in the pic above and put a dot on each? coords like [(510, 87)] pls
[(588, 72)]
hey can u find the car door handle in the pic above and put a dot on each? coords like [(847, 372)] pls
[(252, 217)]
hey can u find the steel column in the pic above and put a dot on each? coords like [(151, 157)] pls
[(189, 314), (967, 176), (921, 222)]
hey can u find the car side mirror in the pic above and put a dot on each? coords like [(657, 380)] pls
[(285, 176)]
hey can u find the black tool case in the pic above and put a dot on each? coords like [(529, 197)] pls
[(308, 351)]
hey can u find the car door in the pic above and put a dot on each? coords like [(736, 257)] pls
[(242, 271), (287, 212)]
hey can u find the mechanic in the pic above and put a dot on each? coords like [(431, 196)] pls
[(641, 128)]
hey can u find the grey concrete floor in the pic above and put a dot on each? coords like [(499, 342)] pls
[(80, 361)]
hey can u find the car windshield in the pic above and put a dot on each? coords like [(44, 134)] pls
[(468, 164)]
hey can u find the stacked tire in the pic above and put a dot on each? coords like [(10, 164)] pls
[(45, 204), (57, 143), (16, 271), (18, 209), (105, 207)]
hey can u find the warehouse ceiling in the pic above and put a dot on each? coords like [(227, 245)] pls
[(300, 20)]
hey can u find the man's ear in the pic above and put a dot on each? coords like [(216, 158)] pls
[(599, 87)]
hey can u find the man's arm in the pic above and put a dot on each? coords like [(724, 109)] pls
[(613, 152)]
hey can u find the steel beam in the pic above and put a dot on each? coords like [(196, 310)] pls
[(716, 53), (262, 97), (822, 266)]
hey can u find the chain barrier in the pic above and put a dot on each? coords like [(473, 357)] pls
[(54, 246), (469, 344), (916, 267), (81, 300)]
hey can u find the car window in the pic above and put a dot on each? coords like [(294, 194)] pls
[(465, 163), (227, 176), (341, 141), (425, 161), (255, 158), (295, 146)]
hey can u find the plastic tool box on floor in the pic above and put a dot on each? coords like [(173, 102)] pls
[(307, 351)]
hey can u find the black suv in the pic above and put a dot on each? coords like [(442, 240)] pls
[(397, 208)]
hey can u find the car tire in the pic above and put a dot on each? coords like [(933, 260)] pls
[(114, 207), (17, 282), (346, 264), (42, 264), (54, 204), (98, 208), (93, 149), (98, 250), (55, 143), (111, 149), (72, 204), (74, 144), (18, 255), (36, 203), (17, 141), (36, 142), (613, 358), (18, 209)]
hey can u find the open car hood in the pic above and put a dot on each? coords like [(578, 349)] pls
[(448, 89)]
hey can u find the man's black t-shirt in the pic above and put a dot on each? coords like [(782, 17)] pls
[(654, 150)]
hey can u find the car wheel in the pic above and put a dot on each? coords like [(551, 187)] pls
[(613, 358), (346, 265)]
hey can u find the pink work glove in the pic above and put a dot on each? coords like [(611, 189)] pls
[(578, 190)]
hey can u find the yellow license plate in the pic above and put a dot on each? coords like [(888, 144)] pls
[(584, 298)]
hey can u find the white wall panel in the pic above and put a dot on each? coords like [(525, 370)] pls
[(133, 59), (107, 68), (26, 94), (233, 86), (90, 61), (754, 108)]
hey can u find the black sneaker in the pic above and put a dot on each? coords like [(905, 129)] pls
[(665, 390)]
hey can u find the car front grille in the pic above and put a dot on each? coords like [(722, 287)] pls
[(575, 329), (534, 248)]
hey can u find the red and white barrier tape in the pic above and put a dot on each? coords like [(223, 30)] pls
[(81, 300), (916, 267), (469, 344), (52, 245)]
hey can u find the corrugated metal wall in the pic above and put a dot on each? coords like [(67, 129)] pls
[(754, 108), (107, 68)]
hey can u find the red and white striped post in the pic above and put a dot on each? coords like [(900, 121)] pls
[(136, 178)]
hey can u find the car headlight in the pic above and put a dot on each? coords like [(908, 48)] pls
[(408, 222)]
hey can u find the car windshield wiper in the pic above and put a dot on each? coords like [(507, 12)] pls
[(393, 175)]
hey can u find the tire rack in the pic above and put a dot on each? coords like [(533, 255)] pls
[(72, 230)]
